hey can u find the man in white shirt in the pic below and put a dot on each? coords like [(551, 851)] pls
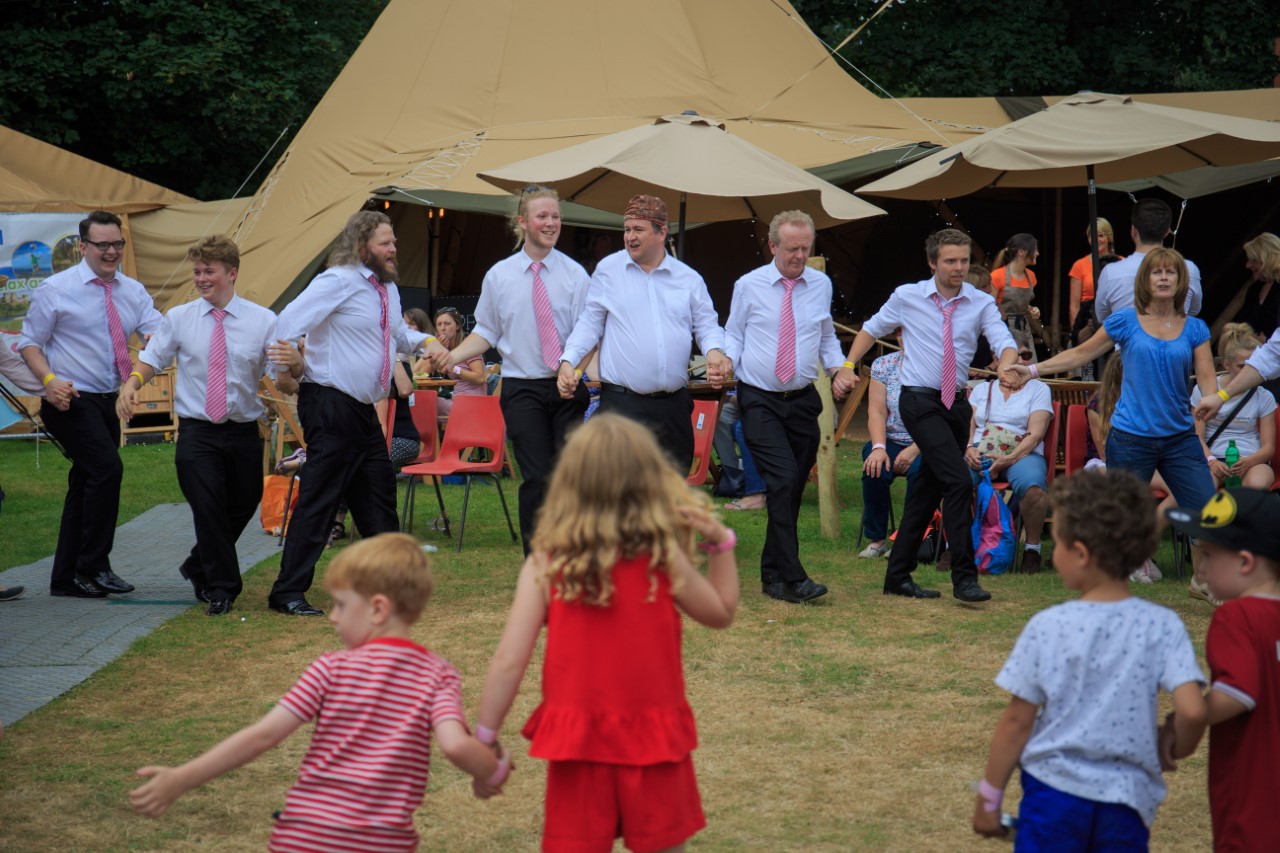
[(941, 318), (528, 305), (643, 309), (1148, 226), (354, 326), (778, 331), (220, 341), (75, 338)]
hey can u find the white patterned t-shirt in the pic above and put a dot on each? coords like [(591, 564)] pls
[(1094, 668)]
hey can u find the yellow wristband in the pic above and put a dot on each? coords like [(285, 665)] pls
[(1222, 392), (577, 374), (429, 339), (849, 364), (47, 379), (141, 381)]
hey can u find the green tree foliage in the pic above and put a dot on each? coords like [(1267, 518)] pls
[(188, 94), (945, 48)]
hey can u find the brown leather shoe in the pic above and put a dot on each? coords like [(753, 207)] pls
[(1030, 562)]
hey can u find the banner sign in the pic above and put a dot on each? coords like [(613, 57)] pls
[(33, 246)]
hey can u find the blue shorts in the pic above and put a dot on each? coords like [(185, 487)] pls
[(1030, 470), (1050, 821)]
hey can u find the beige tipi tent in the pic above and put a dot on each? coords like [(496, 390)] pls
[(439, 91)]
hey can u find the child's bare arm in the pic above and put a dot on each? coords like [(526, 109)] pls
[(464, 751), (524, 622), (1189, 718), (1221, 707), (1010, 738), (168, 783), (713, 599)]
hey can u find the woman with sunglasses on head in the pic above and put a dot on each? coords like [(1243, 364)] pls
[(528, 305), (468, 375)]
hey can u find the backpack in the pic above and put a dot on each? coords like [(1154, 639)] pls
[(992, 530)]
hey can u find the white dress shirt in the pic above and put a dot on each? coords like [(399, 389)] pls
[(751, 334), (68, 321), (341, 315), (1116, 281), (186, 333), (645, 323), (911, 306), (1266, 358), (505, 316)]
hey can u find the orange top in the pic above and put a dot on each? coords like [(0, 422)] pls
[(1083, 270), (998, 282)]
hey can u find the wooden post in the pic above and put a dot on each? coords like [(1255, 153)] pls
[(828, 495)]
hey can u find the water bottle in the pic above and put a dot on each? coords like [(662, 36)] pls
[(1086, 374), (1232, 457)]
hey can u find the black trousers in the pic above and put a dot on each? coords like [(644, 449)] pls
[(783, 435), (942, 435), (538, 421), (346, 459), (219, 471), (670, 419), (90, 433)]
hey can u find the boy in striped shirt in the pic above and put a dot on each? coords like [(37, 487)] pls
[(375, 704)]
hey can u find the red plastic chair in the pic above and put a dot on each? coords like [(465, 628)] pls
[(704, 431), (387, 420), (422, 407), (1077, 429), (475, 422)]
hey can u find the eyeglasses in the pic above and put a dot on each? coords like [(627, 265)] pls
[(105, 245), (1025, 355)]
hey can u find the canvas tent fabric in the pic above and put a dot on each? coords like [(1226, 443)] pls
[(440, 91)]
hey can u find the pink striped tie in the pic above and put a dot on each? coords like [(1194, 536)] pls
[(215, 394), (384, 378), (119, 340), (548, 334), (785, 367), (948, 382)]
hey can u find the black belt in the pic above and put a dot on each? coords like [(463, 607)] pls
[(622, 389), (98, 395), (930, 392), (780, 395)]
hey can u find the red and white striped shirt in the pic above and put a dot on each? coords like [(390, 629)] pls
[(366, 769)]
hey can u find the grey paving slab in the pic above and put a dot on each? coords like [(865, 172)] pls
[(49, 645)]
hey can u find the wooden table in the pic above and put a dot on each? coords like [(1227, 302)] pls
[(426, 383)]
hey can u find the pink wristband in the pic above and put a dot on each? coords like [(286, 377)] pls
[(1035, 370), (486, 735), (504, 770), (991, 796), (725, 544)]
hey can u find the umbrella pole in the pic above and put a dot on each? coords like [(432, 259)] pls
[(680, 237), (1093, 224)]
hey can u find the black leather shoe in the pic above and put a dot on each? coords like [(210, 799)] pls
[(297, 607), (109, 581), (78, 588), (909, 589), (968, 590), (218, 607), (197, 583), (796, 592)]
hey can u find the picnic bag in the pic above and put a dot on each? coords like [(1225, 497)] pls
[(992, 530), (274, 489), (995, 439)]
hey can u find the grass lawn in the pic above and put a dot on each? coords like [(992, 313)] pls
[(853, 724)]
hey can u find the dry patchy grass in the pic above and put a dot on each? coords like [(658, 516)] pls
[(853, 724)]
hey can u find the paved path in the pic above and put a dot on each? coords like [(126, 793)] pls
[(49, 645)]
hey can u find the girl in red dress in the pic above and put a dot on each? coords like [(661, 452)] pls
[(610, 565)]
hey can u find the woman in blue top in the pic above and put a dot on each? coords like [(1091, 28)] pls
[(1152, 427)]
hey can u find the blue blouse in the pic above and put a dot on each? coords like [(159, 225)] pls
[(1154, 398)]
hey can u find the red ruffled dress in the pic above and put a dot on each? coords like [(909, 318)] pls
[(613, 677)]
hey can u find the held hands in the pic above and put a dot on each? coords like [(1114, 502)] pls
[(844, 381), (59, 393), (483, 789), (441, 362), (284, 355), (566, 380), (1014, 376), (719, 368)]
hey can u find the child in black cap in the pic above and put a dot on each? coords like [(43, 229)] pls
[(1239, 532)]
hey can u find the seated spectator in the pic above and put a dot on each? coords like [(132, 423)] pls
[(1248, 420), (890, 452), (1009, 429), (469, 376), (739, 478)]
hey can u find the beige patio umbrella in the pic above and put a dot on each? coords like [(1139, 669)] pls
[(1080, 141), (715, 176)]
